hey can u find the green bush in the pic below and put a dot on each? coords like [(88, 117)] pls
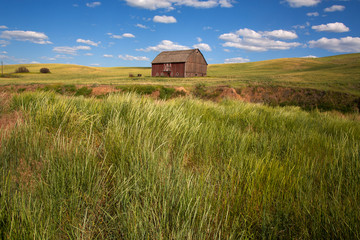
[(45, 70), (139, 89), (200, 90), (22, 69), (166, 93), (84, 91)]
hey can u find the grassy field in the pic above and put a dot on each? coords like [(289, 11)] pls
[(130, 167), (121, 165), (337, 73)]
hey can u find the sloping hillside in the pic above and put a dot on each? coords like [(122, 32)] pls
[(337, 73)]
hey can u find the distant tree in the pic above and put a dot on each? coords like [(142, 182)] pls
[(22, 69), (45, 70)]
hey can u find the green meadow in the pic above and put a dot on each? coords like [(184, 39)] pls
[(127, 166), (336, 73)]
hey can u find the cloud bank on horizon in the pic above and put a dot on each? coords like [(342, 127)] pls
[(133, 32)]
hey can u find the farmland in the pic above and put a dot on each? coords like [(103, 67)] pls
[(129, 166), (336, 73)]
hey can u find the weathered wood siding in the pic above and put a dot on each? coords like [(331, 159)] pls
[(166, 70), (196, 65)]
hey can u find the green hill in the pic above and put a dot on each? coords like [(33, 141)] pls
[(339, 73)]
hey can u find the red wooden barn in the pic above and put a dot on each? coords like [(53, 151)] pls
[(184, 63)]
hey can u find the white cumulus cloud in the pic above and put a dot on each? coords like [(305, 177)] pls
[(309, 56), (128, 35), (225, 3), (282, 34), (141, 26), (335, 8), (346, 44), (302, 3), (164, 45), (171, 4), (93, 4), (237, 60), (88, 42), (245, 32), (31, 36), (203, 47), (331, 27), (4, 43), (312, 14), (133, 58), (164, 19), (251, 40), (70, 50), (3, 27), (108, 56), (125, 35)]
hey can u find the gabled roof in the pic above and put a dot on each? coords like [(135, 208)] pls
[(174, 56)]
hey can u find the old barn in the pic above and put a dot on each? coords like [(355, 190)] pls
[(183, 63)]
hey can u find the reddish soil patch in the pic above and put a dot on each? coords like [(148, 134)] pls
[(4, 100), (7, 123), (275, 96), (181, 89), (229, 93), (155, 94), (304, 97), (103, 90), (20, 88), (8, 120)]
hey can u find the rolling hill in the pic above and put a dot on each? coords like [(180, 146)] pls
[(339, 73)]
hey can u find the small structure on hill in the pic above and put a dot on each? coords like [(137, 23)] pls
[(183, 63)]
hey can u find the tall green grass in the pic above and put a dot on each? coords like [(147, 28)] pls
[(129, 167)]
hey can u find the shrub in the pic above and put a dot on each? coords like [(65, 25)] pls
[(45, 70), (139, 89), (200, 90), (166, 93), (84, 91), (20, 90), (22, 69)]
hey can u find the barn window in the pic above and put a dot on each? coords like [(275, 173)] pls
[(177, 73)]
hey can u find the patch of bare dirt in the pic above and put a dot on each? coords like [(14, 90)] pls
[(103, 90), (20, 88), (303, 97), (229, 93), (155, 94), (181, 89), (7, 123), (8, 120)]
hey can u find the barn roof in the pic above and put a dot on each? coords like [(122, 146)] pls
[(174, 56)]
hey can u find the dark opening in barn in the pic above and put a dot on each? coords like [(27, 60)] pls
[(183, 63)]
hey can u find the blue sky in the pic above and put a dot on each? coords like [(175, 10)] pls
[(132, 32)]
